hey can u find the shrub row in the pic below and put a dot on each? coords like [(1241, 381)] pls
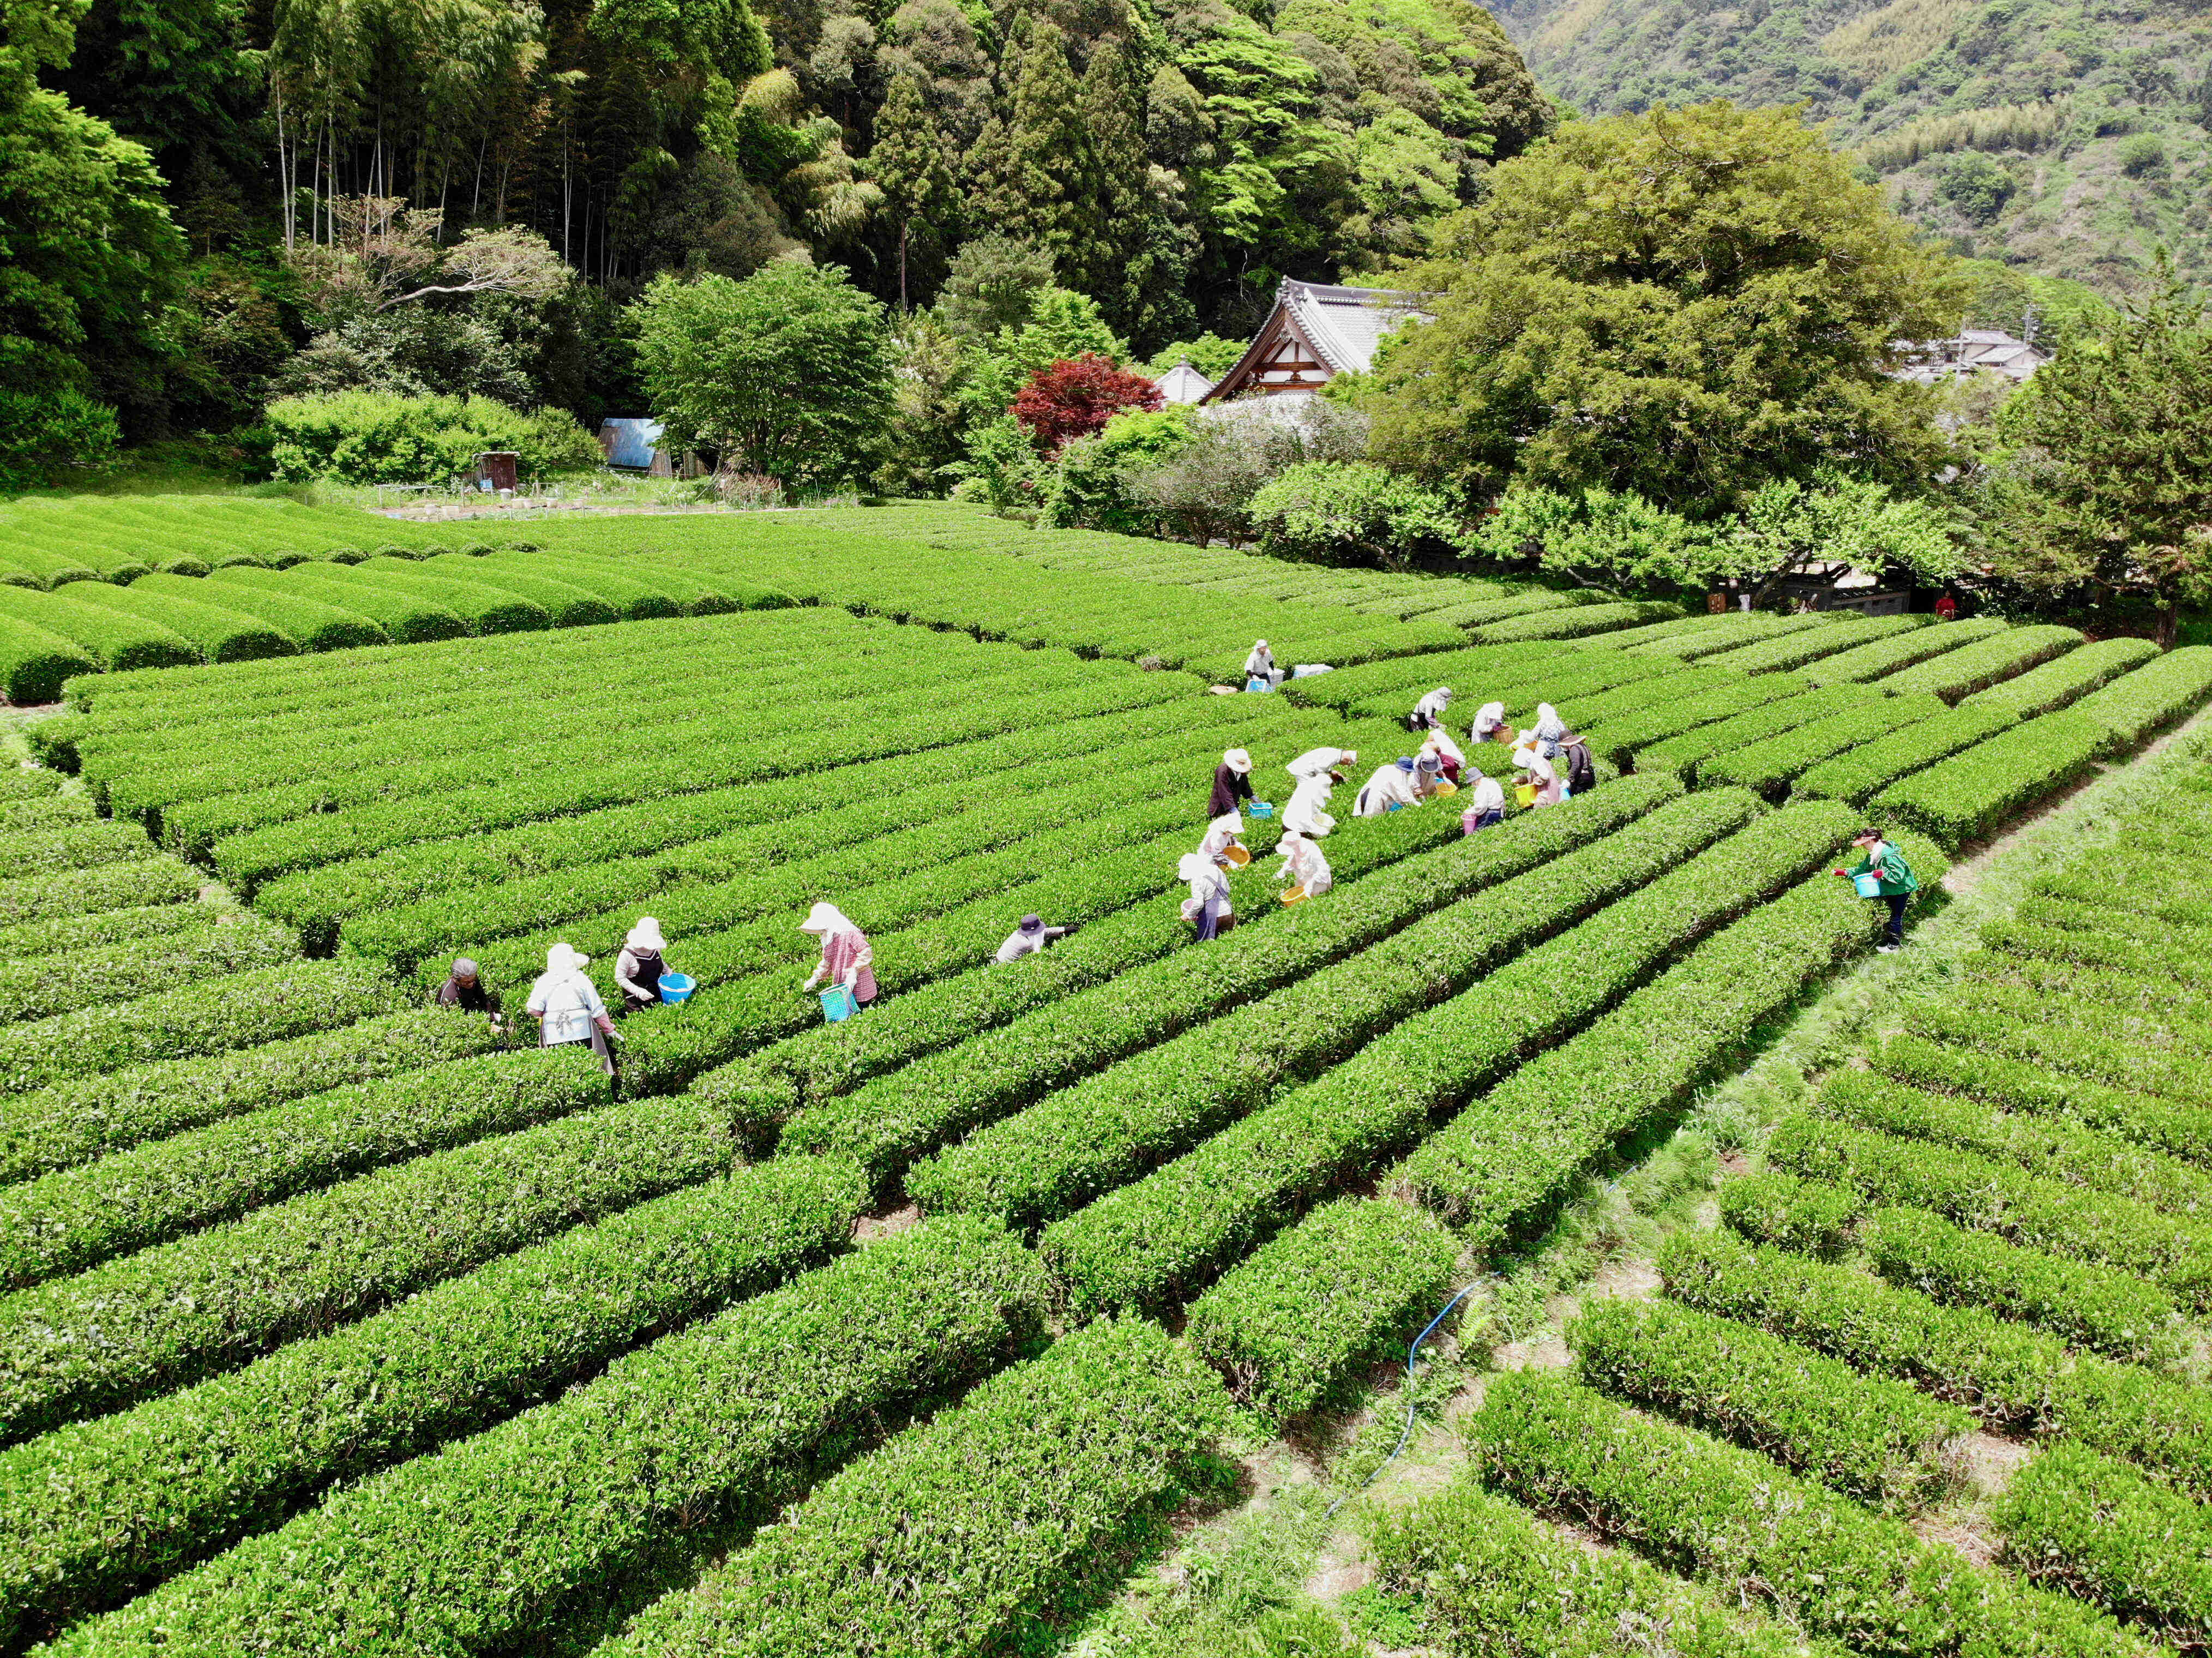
[(2079, 1157), (1617, 739), (1481, 1577), (1506, 1156), (142, 923), (139, 882), (1394, 676), (310, 624), (42, 811), (2164, 1008), (725, 881), (1977, 790), (1519, 685), (2066, 679), (206, 762), (1956, 674), (1882, 657), (1839, 633), (791, 817), (887, 1123), (113, 638), (2093, 1306), (1682, 755), (77, 1218), (241, 1010), (214, 1300), (35, 662), (42, 987), (818, 1064), (1167, 1234), (1755, 1531), (2009, 1375), (1364, 1275), (400, 616), (1769, 766), (55, 851), (101, 1511), (559, 1516), (1574, 622), (1859, 774), (956, 1537), (1976, 1193), (2153, 697), (1673, 684), (1739, 629), (434, 803), (73, 1122), (2087, 1525), (1876, 1439), (219, 633), (2114, 938), (2089, 1053), (1110, 1127)]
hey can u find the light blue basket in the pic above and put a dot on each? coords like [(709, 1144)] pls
[(1869, 885), (1257, 683), (838, 1004), (676, 987), (1259, 809)]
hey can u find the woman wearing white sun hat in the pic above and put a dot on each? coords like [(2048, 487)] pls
[(1232, 783), (846, 957), (567, 1005), (639, 969)]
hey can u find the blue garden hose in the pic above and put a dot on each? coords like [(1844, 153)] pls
[(1413, 1357)]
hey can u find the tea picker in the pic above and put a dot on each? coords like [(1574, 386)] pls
[(1029, 937), (1582, 770), (464, 989), (1232, 783), (1486, 802), (1391, 785), (1882, 874), (1208, 909), (1304, 866), (1317, 775), (640, 973), (1429, 713), (1260, 673), (567, 1008), (846, 961)]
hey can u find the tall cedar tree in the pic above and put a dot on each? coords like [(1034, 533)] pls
[(1685, 303), (1067, 400), (909, 164), (2110, 487), (1032, 166)]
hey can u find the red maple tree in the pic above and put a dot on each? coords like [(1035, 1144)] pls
[(1072, 399)]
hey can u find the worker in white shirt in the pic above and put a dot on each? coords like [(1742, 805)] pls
[(1392, 785), (1486, 802), (1304, 865), (1429, 713), (1030, 936)]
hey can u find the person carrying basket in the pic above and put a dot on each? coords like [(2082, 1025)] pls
[(1882, 875)]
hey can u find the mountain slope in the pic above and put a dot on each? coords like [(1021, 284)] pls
[(2066, 137)]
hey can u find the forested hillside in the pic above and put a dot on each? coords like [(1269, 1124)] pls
[(323, 162), (2066, 137)]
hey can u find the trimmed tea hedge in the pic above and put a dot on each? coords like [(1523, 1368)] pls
[(73, 1122), (1481, 1578), (2057, 684), (1967, 796), (949, 1540), (114, 639), (313, 625), (2008, 1375), (1770, 766), (217, 635), (79, 1217), (1683, 755), (2083, 1523), (102, 1510), (1956, 674), (264, 1004), (2137, 704), (1859, 774), (1840, 631), (1885, 656), (1362, 1275), (87, 975), (85, 891), (1876, 1439), (535, 1525), (1754, 1530), (35, 661)]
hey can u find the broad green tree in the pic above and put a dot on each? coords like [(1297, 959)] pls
[(2107, 490), (1684, 304), (787, 373)]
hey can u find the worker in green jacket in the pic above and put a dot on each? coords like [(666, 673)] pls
[(1896, 881)]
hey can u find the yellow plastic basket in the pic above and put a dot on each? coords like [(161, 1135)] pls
[(1293, 894), (1525, 793)]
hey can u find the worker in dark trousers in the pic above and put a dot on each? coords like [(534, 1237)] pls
[(1895, 881)]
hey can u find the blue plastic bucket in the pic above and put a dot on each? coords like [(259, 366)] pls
[(838, 1004), (1259, 809), (676, 987), (1869, 885), (1257, 683)]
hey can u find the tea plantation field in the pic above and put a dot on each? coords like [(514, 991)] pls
[(333, 1322)]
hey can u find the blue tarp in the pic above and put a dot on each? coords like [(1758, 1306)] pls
[(630, 442)]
